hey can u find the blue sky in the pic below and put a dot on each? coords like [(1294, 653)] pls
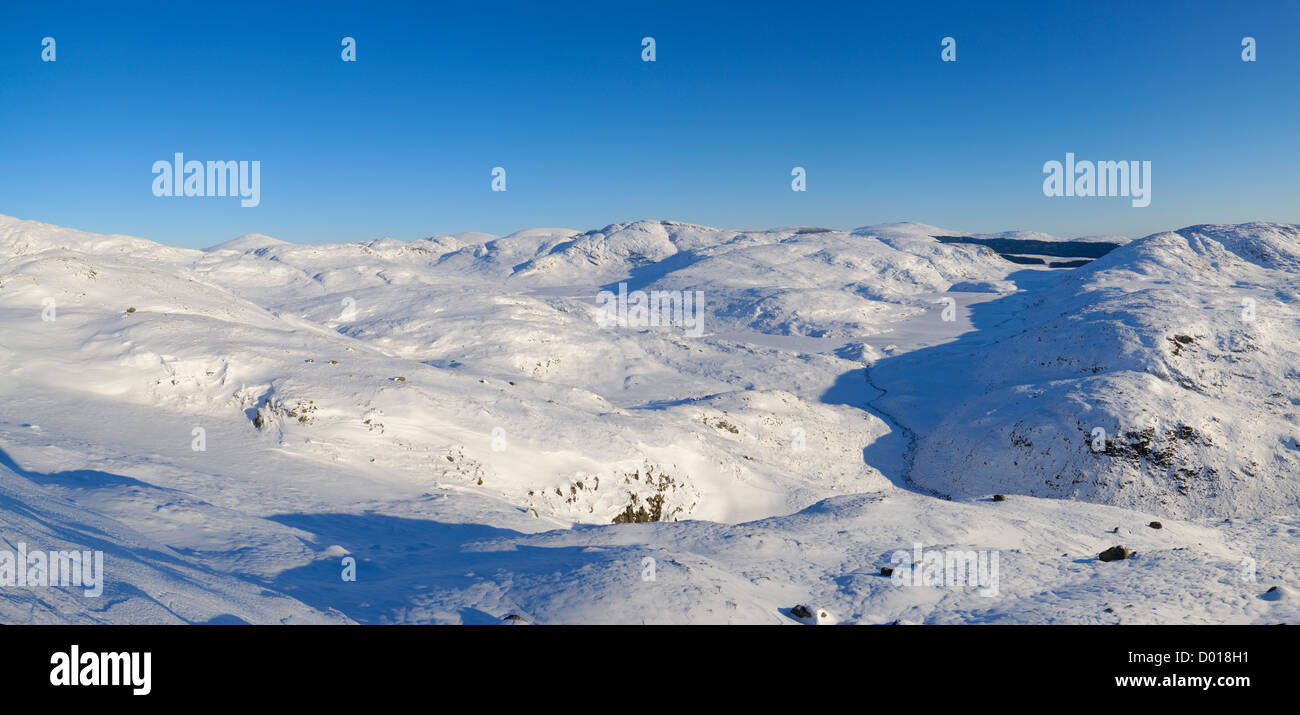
[(401, 143)]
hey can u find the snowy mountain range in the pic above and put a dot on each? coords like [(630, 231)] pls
[(457, 417)]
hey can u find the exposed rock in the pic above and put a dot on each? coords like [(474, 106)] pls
[(811, 616), (1114, 553)]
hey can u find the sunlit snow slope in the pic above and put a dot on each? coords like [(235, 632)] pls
[(228, 425)]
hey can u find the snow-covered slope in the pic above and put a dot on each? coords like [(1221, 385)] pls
[(143, 581), (1180, 349), (454, 413)]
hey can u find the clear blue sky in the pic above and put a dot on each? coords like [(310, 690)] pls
[(402, 142)]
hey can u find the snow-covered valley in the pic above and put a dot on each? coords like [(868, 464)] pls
[(459, 415)]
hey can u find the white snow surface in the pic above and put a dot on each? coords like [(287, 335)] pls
[(450, 413)]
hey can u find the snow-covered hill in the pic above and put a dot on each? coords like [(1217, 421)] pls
[(456, 414), (1179, 349)]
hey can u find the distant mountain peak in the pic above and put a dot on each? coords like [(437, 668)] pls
[(247, 242)]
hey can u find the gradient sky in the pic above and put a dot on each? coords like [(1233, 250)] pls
[(402, 142)]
